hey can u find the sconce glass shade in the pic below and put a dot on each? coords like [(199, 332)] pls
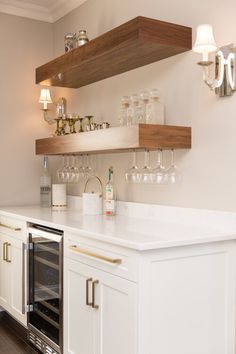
[(45, 96), (205, 42)]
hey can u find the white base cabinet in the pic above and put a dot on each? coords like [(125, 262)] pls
[(181, 301), (100, 311), (12, 284)]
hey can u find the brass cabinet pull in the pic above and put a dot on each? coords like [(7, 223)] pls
[(87, 292), (10, 227), (95, 255), (4, 257), (7, 256), (94, 306)]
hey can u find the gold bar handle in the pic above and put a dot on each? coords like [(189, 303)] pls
[(4, 257), (7, 248), (95, 255), (87, 292), (94, 306), (10, 227)]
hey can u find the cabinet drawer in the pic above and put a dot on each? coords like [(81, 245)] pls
[(112, 259), (13, 227)]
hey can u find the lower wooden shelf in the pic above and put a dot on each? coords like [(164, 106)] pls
[(118, 139)]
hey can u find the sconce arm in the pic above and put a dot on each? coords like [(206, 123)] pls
[(231, 70), (46, 117), (60, 110), (217, 82)]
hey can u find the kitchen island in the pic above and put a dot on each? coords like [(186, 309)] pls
[(152, 279)]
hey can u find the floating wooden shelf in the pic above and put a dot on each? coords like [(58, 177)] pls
[(136, 43), (140, 137)]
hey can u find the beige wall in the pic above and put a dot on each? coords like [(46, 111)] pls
[(25, 44), (209, 169)]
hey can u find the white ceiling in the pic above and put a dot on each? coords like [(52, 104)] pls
[(44, 10)]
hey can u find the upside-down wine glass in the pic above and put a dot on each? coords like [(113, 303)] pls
[(131, 174), (145, 172), (158, 173), (172, 174)]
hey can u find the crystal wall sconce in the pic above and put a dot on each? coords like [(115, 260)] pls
[(222, 80), (45, 98)]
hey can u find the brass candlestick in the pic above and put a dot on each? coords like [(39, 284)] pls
[(81, 130), (71, 122)]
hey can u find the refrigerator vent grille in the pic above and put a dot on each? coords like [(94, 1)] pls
[(38, 343)]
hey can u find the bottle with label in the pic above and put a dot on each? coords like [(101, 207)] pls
[(110, 204), (45, 186)]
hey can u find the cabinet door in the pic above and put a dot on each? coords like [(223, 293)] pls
[(78, 316), (17, 283), (116, 319), (192, 300), (4, 274)]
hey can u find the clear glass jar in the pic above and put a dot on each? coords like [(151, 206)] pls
[(138, 110), (70, 42), (82, 38), (155, 111)]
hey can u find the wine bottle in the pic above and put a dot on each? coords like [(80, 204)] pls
[(110, 205)]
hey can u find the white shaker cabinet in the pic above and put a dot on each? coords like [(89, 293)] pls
[(12, 268), (181, 300), (4, 274), (100, 311)]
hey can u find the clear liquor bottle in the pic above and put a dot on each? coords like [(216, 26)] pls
[(45, 186)]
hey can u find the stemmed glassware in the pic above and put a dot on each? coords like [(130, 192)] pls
[(172, 173), (157, 175), (88, 171), (158, 172), (60, 171), (72, 172), (132, 174), (145, 172)]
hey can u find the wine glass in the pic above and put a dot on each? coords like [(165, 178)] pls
[(158, 173), (61, 170), (81, 169), (145, 172), (89, 171), (72, 170), (76, 170), (172, 174), (131, 174), (64, 171)]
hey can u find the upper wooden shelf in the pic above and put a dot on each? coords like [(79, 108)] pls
[(118, 139), (136, 43)]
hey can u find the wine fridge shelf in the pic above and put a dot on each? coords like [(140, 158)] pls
[(118, 139), (47, 318)]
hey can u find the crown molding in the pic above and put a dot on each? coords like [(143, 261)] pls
[(63, 7), (37, 12)]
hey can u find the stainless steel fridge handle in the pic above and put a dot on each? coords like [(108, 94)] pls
[(24, 247)]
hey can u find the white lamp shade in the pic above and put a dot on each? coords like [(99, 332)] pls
[(205, 42), (45, 96)]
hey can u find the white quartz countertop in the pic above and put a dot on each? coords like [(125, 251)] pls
[(135, 232)]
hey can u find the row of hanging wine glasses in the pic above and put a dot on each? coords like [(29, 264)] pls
[(156, 175), (75, 169)]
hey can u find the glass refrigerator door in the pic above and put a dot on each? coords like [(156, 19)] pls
[(45, 287)]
